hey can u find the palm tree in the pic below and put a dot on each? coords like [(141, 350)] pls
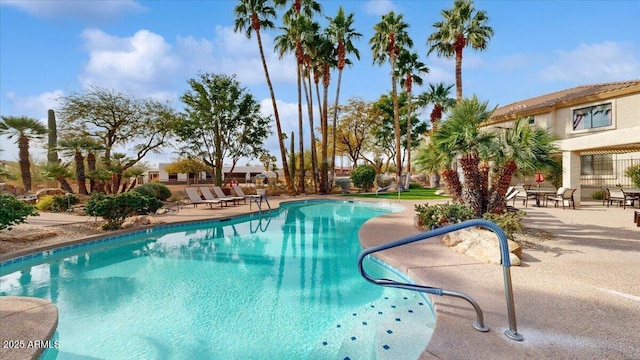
[(439, 96), (60, 172), (92, 146), (326, 60), (461, 136), (25, 129), (389, 39), (252, 16), (462, 26), (74, 147), (340, 31), (299, 32), (408, 68), (521, 147)]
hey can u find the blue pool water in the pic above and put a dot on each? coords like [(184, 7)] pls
[(283, 285)]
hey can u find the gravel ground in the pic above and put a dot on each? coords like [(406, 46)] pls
[(25, 236)]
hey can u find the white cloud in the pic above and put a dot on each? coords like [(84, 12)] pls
[(88, 11), (142, 63), (380, 7), (34, 106), (288, 113), (607, 61)]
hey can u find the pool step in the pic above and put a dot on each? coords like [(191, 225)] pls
[(396, 328)]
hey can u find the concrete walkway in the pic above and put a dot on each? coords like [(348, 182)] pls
[(576, 296)]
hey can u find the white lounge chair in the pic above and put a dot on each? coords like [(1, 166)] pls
[(195, 199)]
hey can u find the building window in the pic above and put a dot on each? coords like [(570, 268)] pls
[(531, 120), (592, 117), (173, 177), (596, 165)]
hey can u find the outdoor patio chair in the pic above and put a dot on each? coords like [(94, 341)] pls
[(240, 193), (629, 199), (195, 199), (521, 194), (209, 196), (221, 195), (615, 195), (563, 194)]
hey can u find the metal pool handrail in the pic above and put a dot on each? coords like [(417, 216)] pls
[(512, 333)]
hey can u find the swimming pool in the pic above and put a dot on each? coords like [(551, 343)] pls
[(281, 285)]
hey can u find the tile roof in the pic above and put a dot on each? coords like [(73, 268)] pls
[(567, 97)]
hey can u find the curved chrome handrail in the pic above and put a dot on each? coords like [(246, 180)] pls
[(512, 333)]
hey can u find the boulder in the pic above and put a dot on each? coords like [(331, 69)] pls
[(481, 245), (49, 191), (140, 220)]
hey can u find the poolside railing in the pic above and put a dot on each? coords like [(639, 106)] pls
[(512, 333)]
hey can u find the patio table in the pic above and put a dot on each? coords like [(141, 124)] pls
[(541, 194)]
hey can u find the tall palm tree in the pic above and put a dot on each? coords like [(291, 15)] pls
[(326, 60), (461, 136), (389, 39), (74, 147), (461, 26), (298, 33), (251, 17), (342, 33), (91, 146), (408, 69), (25, 129)]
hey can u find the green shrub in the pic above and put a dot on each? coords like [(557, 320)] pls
[(14, 211), (154, 189), (45, 203), (363, 177), (415, 185), (598, 195), (64, 202), (509, 222), (633, 172), (116, 208), (435, 216)]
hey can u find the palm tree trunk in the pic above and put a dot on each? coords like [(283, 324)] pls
[(314, 154), (283, 151), (335, 125), (325, 138), (91, 165), (64, 184), (409, 133), (25, 164), (80, 177), (396, 120), (301, 187), (458, 74)]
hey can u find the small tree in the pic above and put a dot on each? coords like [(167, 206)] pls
[(633, 172), (364, 177), (116, 208), (14, 211)]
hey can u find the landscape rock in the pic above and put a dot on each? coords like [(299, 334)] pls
[(140, 220), (481, 245), (49, 191)]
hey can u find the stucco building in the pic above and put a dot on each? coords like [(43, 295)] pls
[(598, 127)]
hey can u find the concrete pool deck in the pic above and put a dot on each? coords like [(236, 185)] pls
[(576, 295)]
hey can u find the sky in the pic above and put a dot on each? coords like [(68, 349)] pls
[(150, 49)]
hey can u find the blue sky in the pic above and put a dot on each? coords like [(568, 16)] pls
[(151, 48)]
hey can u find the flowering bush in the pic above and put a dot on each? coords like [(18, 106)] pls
[(432, 217)]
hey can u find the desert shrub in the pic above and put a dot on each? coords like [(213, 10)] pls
[(435, 216), (384, 180), (633, 172), (45, 203), (155, 190), (14, 211), (64, 202), (509, 222), (116, 208), (344, 184), (363, 177), (598, 195)]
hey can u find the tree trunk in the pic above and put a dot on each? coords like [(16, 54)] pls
[(314, 152), (396, 121), (283, 152), (80, 176), (335, 125), (25, 163), (91, 165), (64, 184), (301, 187)]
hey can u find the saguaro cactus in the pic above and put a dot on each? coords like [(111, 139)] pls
[(52, 153)]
